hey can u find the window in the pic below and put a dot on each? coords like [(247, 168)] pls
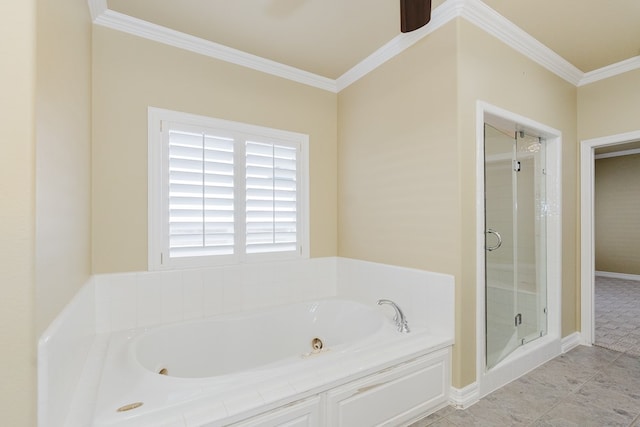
[(223, 192)]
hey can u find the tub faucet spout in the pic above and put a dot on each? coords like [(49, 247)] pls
[(401, 321)]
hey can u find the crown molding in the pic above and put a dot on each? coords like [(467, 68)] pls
[(97, 8), (481, 15), (474, 11), (444, 13), (138, 27), (610, 70)]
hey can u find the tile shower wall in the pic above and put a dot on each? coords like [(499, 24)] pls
[(142, 299)]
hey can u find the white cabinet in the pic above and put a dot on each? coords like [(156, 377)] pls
[(391, 397), (305, 413)]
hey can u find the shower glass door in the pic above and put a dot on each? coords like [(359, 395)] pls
[(515, 255), (531, 265)]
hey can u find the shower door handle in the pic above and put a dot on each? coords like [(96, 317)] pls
[(498, 236)]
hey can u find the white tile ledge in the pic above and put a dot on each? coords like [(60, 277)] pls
[(83, 403), (223, 406)]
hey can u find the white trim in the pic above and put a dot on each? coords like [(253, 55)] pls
[(440, 16), (522, 361), (617, 154), (474, 11), (587, 248), (481, 15), (97, 8), (487, 19), (158, 234), (138, 27), (610, 70), (624, 276), (545, 348), (462, 398), (570, 342)]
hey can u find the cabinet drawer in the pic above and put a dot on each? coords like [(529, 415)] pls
[(306, 413), (391, 397)]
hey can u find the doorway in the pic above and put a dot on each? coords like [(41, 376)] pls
[(529, 258), (587, 225), (515, 229)]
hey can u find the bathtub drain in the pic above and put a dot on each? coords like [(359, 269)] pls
[(316, 345), (317, 348)]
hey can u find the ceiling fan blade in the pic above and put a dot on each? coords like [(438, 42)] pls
[(414, 14)]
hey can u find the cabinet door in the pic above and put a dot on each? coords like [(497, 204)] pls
[(306, 413), (392, 397)]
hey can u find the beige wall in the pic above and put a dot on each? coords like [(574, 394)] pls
[(398, 181), (17, 223), (131, 74), (492, 72), (412, 121), (610, 106), (45, 179), (398, 174), (63, 155), (616, 207)]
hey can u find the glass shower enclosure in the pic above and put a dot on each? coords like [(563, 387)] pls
[(515, 247)]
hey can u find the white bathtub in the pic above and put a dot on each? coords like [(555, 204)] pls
[(224, 369)]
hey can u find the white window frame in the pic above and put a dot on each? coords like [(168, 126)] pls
[(158, 233)]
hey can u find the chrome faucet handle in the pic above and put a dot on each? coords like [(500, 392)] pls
[(398, 318)]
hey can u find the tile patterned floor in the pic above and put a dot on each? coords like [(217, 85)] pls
[(617, 314), (587, 386)]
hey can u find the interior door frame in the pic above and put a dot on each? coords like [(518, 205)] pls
[(587, 231), (545, 348)]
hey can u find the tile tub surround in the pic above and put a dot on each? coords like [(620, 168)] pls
[(426, 298), (118, 302), (133, 300), (170, 296), (63, 350), (586, 387)]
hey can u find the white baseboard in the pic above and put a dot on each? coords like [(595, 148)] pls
[(571, 341), (464, 397), (624, 276)]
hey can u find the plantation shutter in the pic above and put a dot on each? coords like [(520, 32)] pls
[(201, 194), (271, 197)]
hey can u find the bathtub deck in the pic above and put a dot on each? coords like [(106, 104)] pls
[(220, 401)]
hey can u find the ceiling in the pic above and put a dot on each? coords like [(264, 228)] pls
[(329, 37)]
